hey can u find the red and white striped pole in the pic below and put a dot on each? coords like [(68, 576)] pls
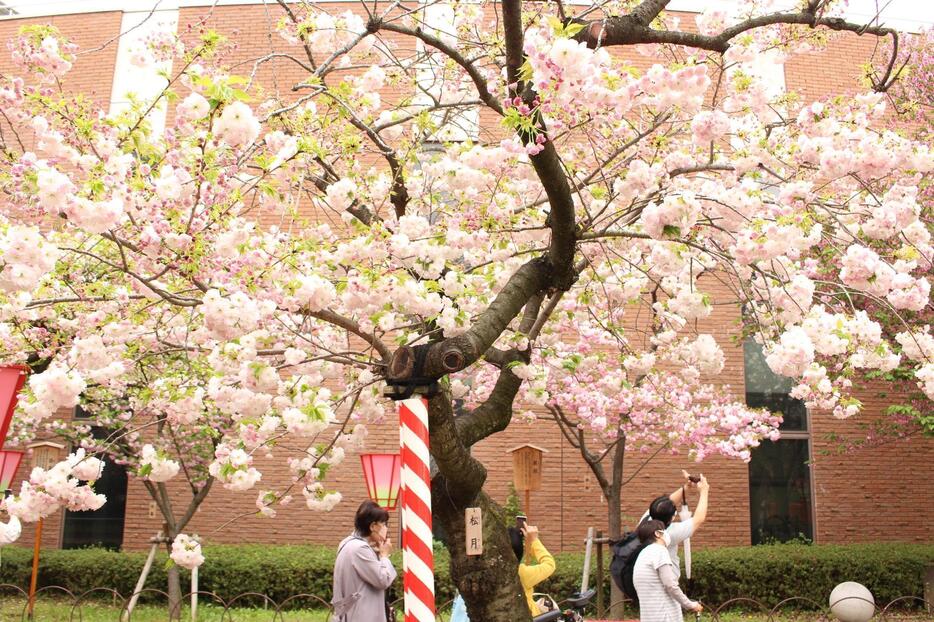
[(418, 575)]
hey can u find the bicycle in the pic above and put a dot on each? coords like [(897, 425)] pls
[(574, 611)]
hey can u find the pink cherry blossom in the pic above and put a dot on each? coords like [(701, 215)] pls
[(186, 551), (237, 125), (193, 108), (155, 466)]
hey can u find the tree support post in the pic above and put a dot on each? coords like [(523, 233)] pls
[(408, 383), (156, 541), (194, 594), (35, 569), (599, 580), (585, 573)]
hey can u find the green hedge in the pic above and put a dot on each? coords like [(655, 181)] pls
[(773, 573), (765, 573), (279, 572)]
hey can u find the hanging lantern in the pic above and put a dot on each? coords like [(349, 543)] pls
[(382, 473), (9, 462), (12, 378)]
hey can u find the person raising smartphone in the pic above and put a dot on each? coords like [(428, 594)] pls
[(528, 549), (665, 508)]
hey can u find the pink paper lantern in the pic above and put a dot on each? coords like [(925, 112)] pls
[(382, 474), (12, 378), (9, 462)]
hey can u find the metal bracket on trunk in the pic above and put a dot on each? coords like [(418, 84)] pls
[(405, 374)]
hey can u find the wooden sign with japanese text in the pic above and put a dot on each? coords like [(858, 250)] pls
[(527, 467), (473, 521)]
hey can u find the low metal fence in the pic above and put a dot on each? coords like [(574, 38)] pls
[(903, 608), (59, 604)]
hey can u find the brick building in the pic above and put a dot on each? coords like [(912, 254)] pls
[(798, 485)]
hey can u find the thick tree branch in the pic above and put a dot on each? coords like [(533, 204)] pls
[(163, 509), (456, 353), (546, 163), (632, 29), (619, 455), (544, 315), (531, 312), (495, 413), (649, 10), (512, 28), (195, 503), (561, 219), (463, 474)]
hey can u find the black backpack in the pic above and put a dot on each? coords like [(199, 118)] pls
[(625, 552)]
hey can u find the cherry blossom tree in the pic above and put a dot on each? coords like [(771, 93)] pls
[(143, 277), (609, 397)]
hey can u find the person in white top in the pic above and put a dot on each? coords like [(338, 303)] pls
[(660, 597), (664, 509)]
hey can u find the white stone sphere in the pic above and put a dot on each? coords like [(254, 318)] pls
[(852, 602)]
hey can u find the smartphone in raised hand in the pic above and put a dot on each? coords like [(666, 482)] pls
[(521, 521)]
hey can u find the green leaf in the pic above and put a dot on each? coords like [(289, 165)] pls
[(671, 231)]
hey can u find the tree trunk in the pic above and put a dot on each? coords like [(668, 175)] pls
[(615, 519), (489, 582), (175, 589), (615, 531)]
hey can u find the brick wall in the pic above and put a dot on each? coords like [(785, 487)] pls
[(853, 493)]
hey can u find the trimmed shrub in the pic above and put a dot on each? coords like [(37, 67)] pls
[(773, 573), (765, 573)]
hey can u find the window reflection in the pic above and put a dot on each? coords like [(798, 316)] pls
[(780, 491), (765, 389), (102, 527), (779, 475)]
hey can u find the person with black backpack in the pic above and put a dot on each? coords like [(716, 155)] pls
[(626, 550), (660, 597)]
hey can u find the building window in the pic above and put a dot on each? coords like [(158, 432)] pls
[(103, 527), (780, 500)]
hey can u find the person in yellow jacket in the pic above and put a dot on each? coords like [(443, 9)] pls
[(528, 548)]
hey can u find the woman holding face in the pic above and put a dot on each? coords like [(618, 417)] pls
[(362, 571)]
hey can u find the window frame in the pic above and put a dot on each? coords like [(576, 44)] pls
[(805, 435)]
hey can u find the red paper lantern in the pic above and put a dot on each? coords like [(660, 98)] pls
[(383, 477), (12, 378), (9, 462)]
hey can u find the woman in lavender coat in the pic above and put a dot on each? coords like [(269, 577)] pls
[(362, 571)]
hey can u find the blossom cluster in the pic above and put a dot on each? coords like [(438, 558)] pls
[(186, 551), (47, 491)]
